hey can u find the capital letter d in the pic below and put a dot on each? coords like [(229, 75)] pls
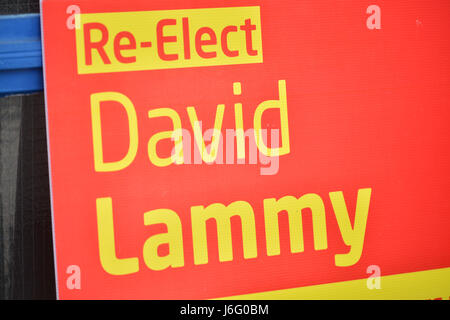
[(99, 163)]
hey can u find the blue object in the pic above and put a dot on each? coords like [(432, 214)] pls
[(20, 54)]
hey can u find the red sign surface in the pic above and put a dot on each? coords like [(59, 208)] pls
[(206, 149)]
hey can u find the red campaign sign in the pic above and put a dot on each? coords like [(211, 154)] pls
[(202, 149)]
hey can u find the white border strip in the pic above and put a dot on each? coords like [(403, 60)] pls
[(48, 148)]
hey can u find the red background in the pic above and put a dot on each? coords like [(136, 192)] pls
[(367, 108)]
